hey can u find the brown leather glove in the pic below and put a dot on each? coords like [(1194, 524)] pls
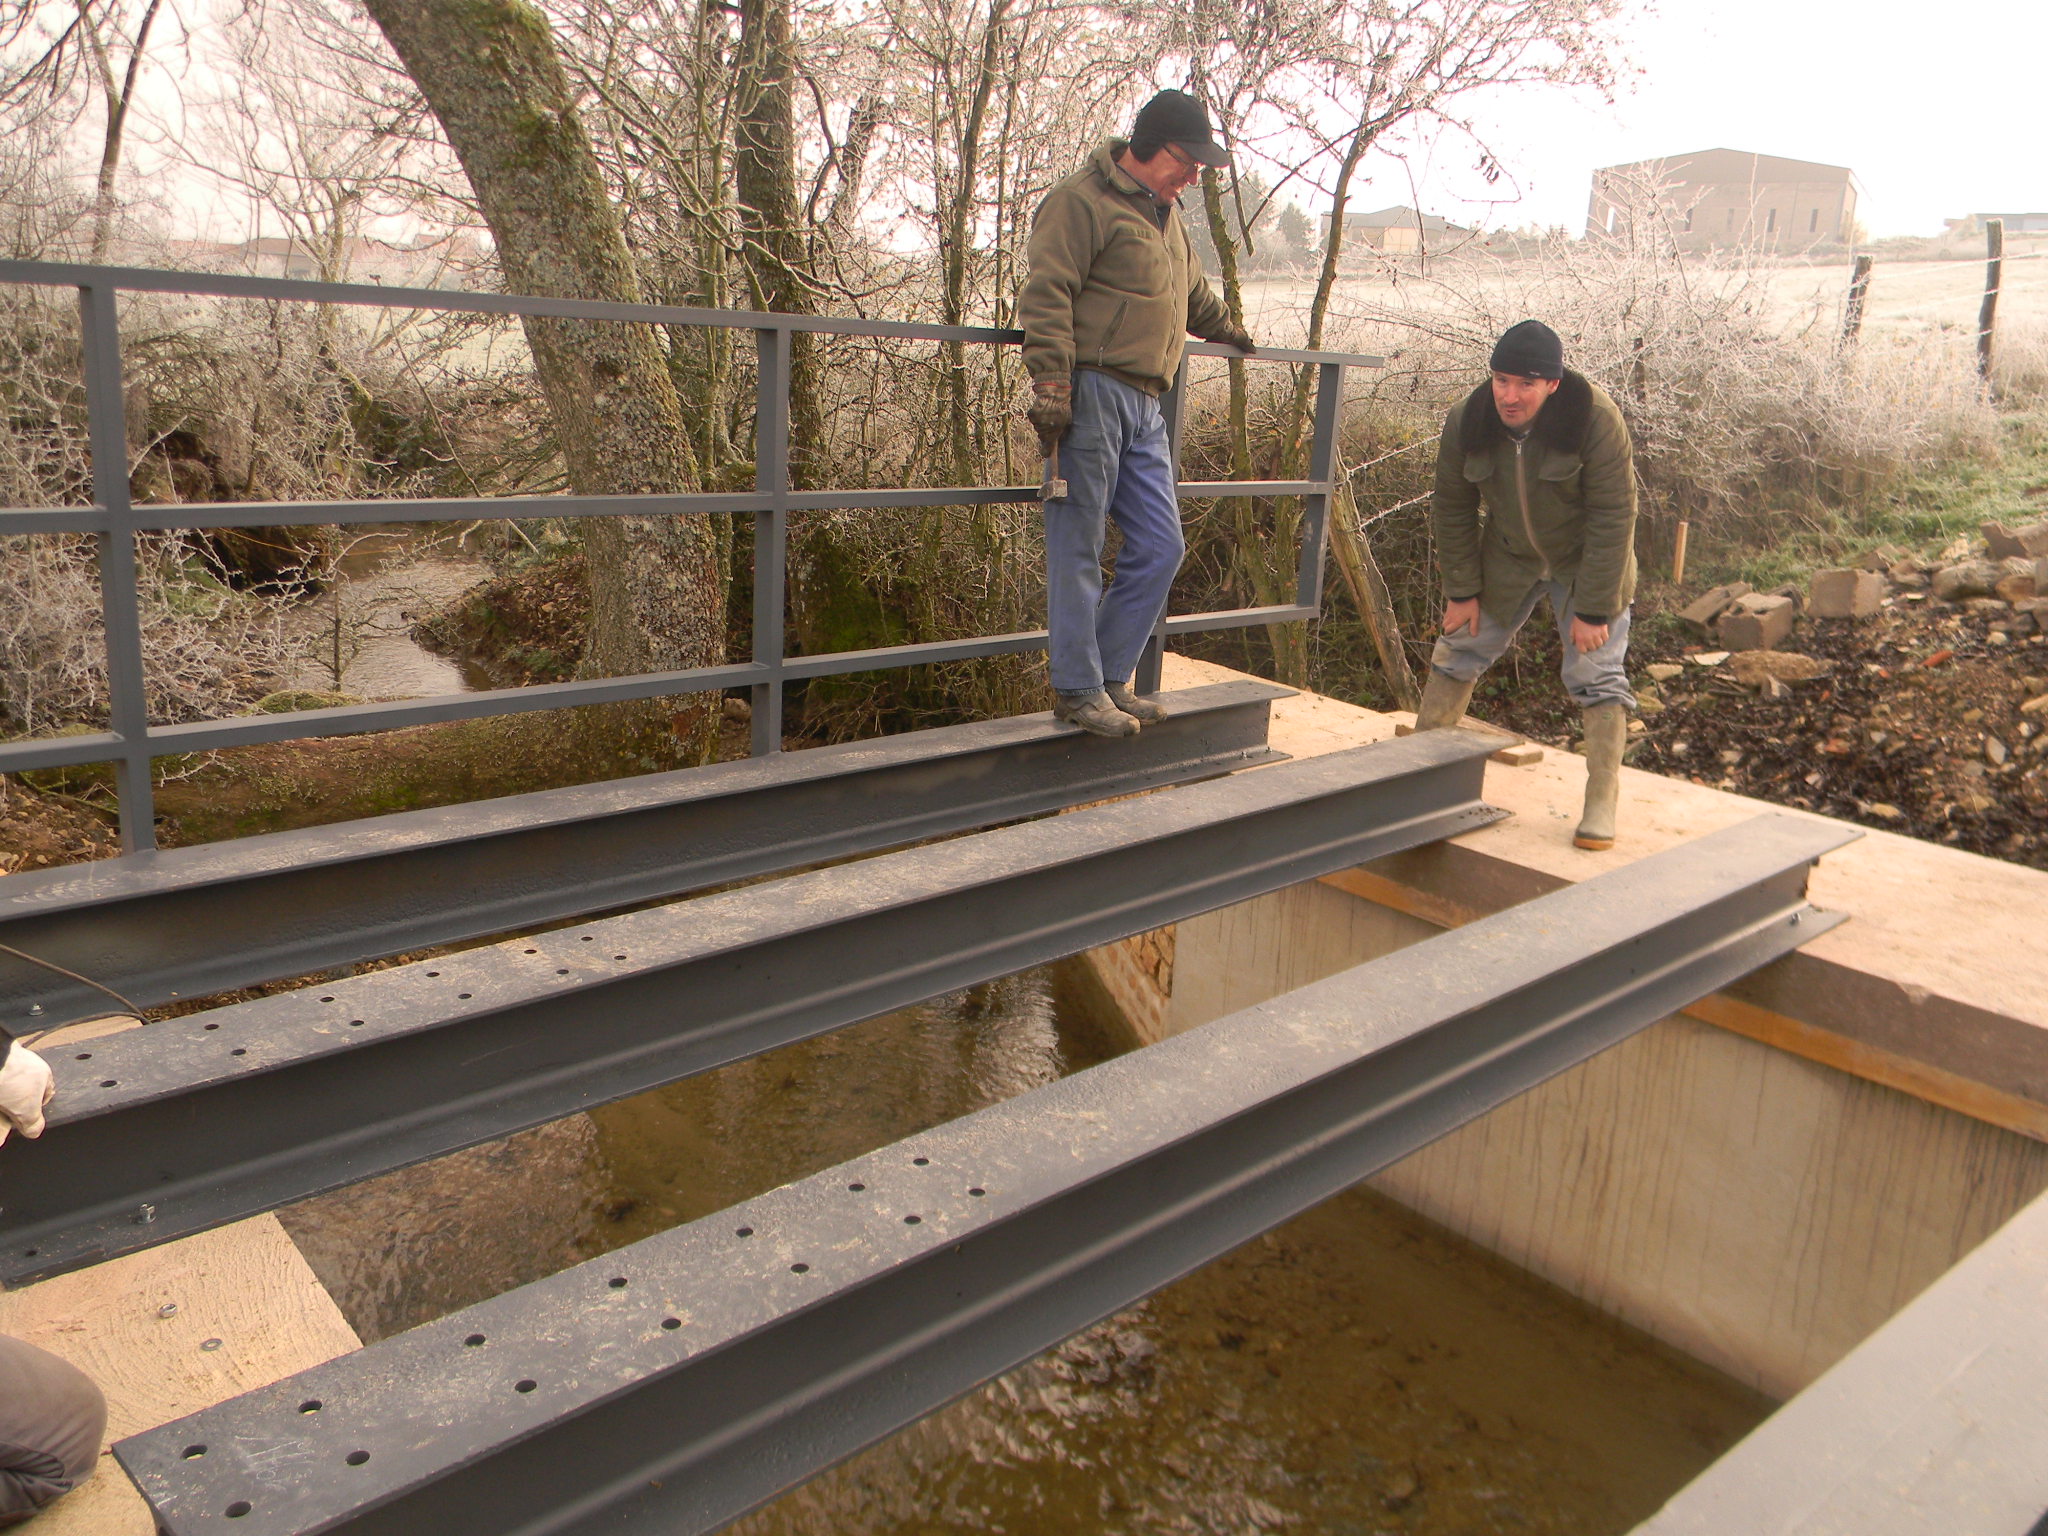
[(1051, 411), (1231, 336)]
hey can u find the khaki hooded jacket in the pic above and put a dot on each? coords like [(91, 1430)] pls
[(1109, 286), (1558, 505)]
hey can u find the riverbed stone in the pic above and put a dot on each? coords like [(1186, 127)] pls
[(1966, 579), (1753, 668), (2000, 540), (1663, 671), (1755, 623), (1846, 594)]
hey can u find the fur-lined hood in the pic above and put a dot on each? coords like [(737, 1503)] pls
[(1560, 425)]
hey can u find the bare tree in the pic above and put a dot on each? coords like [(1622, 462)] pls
[(65, 58), (1347, 80), (490, 70)]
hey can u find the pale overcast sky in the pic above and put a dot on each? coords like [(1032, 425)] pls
[(1936, 106)]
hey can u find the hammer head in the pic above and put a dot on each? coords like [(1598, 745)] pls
[(1054, 489)]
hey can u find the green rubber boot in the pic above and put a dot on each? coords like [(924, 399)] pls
[(1443, 702), (1606, 735)]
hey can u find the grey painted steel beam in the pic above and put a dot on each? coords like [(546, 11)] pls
[(1937, 1423), (190, 921), (185, 1124), (672, 1385)]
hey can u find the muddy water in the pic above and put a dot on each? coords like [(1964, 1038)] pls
[(360, 626), (1356, 1372)]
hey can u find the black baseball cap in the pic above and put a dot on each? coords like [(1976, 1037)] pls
[(1176, 118)]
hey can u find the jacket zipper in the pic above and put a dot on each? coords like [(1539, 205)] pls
[(1522, 494)]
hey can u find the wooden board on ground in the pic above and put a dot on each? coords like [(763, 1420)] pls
[(172, 1330)]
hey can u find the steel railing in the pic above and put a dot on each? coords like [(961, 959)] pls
[(132, 744)]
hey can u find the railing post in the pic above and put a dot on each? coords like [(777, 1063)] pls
[(1322, 467), (120, 604), (771, 530), (1174, 407)]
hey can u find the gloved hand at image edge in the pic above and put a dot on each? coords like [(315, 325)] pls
[(25, 1087)]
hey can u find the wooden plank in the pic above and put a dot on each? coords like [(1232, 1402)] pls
[(245, 1309)]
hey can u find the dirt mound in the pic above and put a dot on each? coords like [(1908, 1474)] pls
[(1925, 719), (525, 627)]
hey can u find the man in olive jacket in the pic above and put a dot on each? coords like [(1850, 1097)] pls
[(1112, 288), (1536, 498)]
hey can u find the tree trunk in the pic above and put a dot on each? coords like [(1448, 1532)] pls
[(118, 98), (489, 70), (1369, 593), (959, 238), (764, 168)]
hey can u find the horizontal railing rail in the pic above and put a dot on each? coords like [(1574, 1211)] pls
[(132, 744)]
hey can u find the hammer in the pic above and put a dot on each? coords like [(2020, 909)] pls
[(1055, 488)]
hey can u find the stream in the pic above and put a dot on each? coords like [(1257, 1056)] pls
[(1357, 1371)]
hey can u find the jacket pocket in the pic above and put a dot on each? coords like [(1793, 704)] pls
[(1478, 467), (1116, 323), (1560, 471)]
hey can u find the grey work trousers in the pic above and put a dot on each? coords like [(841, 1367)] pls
[(52, 1418)]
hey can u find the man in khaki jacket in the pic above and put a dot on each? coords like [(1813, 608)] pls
[(1112, 288), (1547, 455)]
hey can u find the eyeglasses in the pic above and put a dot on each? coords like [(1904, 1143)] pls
[(1185, 162)]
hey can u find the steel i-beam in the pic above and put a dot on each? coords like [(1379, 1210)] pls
[(181, 1125), (672, 1385), (193, 921)]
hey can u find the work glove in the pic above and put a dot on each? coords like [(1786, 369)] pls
[(1231, 336), (25, 1087), (1051, 412)]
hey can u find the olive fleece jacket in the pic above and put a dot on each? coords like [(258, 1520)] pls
[(1559, 505), (1110, 285)]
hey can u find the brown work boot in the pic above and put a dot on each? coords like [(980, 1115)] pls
[(1144, 711), (1094, 714), (1443, 702), (1606, 736)]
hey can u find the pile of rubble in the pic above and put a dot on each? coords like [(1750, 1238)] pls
[(1905, 693)]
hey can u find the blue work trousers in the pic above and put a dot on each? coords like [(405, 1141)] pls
[(1116, 464), (1596, 677)]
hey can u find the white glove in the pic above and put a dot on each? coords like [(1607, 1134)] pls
[(25, 1087)]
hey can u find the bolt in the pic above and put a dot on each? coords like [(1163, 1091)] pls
[(34, 1009), (168, 1309), (145, 1213), (1795, 919)]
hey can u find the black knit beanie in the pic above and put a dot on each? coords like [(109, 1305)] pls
[(1530, 349)]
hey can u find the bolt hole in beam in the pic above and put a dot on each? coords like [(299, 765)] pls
[(1097, 1189), (762, 965)]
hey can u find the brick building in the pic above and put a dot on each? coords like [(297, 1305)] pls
[(1397, 230), (1723, 197)]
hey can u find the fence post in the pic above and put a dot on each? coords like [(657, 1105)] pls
[(1987, 316), (1852, 311), (1151, 661), (771, 530), (120, 605), (1322, 467)]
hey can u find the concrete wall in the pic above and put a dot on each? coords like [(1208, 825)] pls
[(1762, 1212)]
